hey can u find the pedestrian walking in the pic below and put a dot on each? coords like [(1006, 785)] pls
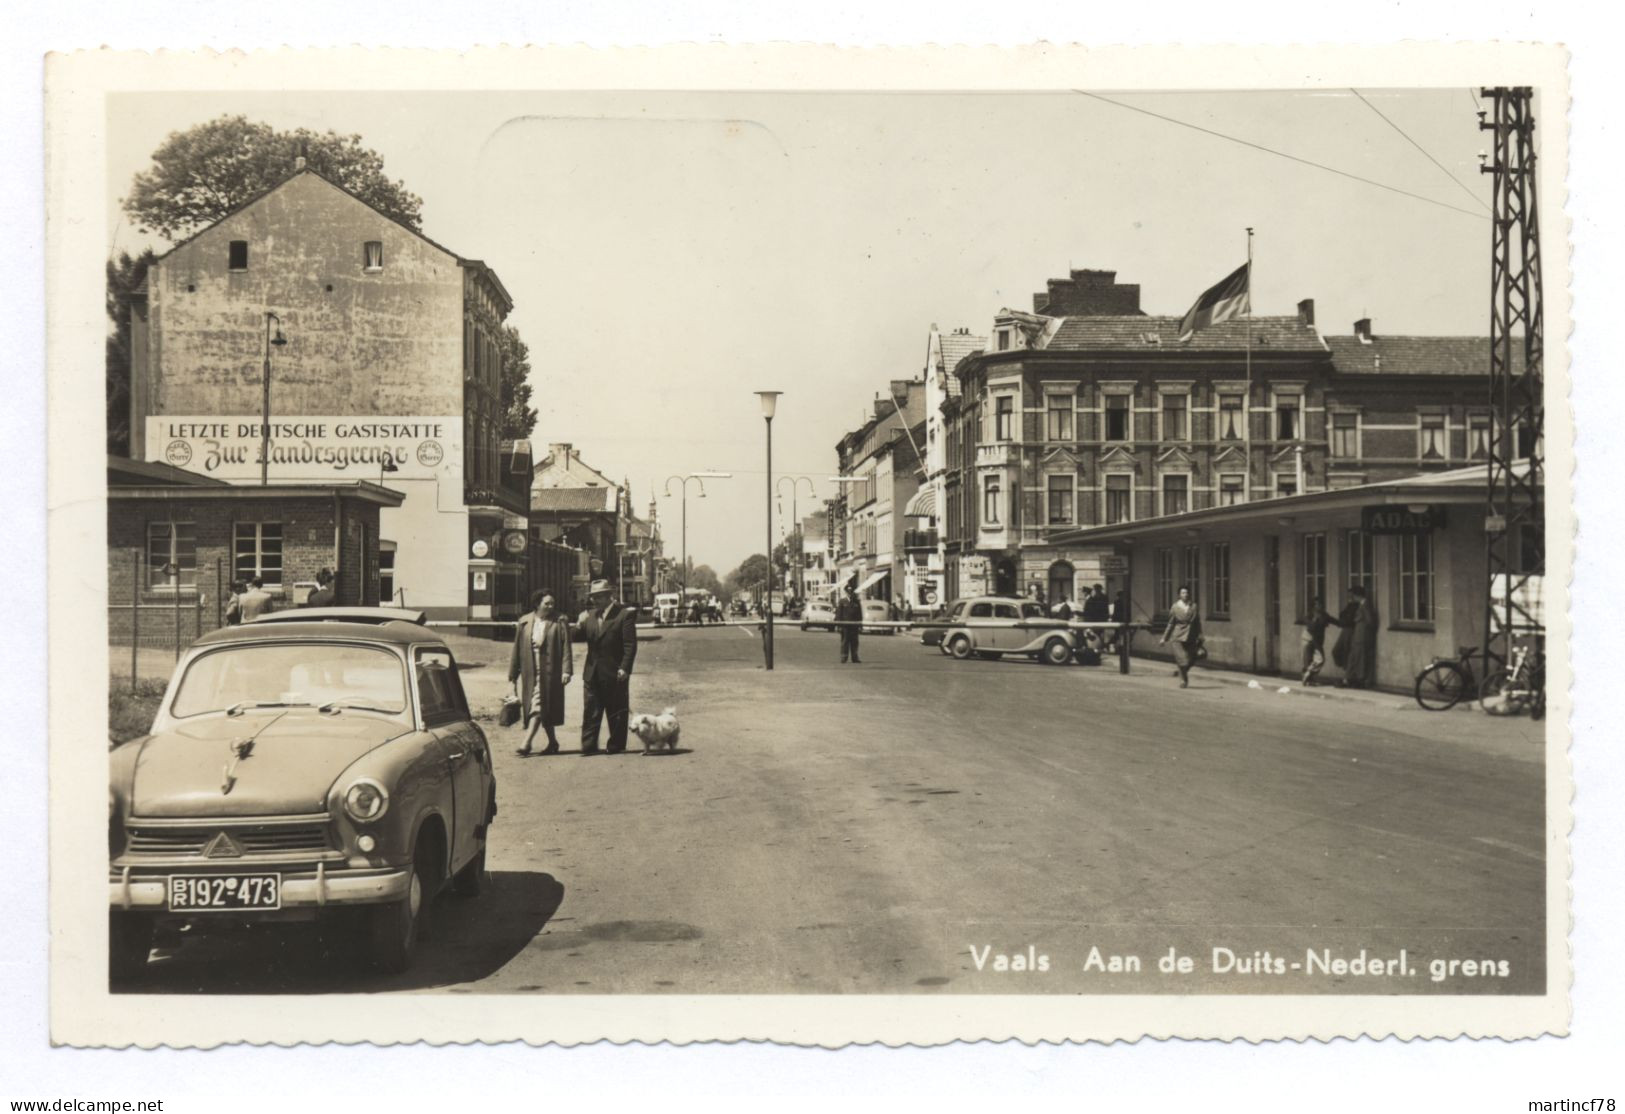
[(849, 616), (539, 668), (1361, 670), (1314, 639), (612, 646), (256, 601), (1184, 630)]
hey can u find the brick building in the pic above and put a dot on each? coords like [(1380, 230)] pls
[(381, 348)]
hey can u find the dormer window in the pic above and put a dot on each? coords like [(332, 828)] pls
[(237, 255), (1004, 339), (372, 255)]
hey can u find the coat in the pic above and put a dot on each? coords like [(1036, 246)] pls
[(1362, 663), (557, 664), (254, 603), (612, 643), (1184, 627)]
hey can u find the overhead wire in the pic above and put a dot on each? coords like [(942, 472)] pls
[(1425, 152), (1283, 154)]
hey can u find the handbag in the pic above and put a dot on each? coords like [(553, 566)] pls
[(1200, 653), (510, 711)]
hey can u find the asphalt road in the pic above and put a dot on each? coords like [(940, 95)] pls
[(900, 825)]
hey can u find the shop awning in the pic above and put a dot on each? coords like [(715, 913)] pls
[(923, 504), (873, 579)]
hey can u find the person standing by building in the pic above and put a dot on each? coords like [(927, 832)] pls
[(539, 668), (1361, 671), (849, 617), (234, 605), (257, 601), (1314, 639), (612, 646), (325, 593), (1184, 630)]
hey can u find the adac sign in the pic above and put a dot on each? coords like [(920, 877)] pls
[(1401, 519)]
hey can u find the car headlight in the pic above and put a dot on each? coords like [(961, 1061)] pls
[(365, 800)]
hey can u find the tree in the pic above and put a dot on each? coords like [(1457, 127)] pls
[(751, 573), (205, 172), (518, 417), (125, 275), (704, 576)]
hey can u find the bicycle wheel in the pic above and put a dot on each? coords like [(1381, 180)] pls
[(1502, 695), (1441, 686)]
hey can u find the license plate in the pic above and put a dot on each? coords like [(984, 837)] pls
[(195, 893)]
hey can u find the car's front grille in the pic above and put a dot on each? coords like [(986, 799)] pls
[(202, 840)]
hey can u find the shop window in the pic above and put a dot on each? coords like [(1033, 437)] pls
[(372, 255), (172, 545), (237, 255), (1360, 561), (1060, 500), (1167, 587), (1060, 417), (1232, 490), (1219, 570), (1175, 494), (990, 500), (1119, 499), (1175, 418), (1312, 563), (1230, 418), (257, 551), (1345, 437), (1431, 444), (1416, 578), (1117, 415), (1288, 417)]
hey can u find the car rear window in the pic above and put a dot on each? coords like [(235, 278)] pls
[(1032, 611), (1005, 611), (297, 673)]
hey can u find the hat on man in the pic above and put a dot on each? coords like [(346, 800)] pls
[(599, 588)]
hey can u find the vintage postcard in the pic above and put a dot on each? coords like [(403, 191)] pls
[(1042, 544)]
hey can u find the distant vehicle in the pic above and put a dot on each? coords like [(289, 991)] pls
[(315, 767), (878, 612), (666, 607), (1002, 626), (818, 613), (933, 636)]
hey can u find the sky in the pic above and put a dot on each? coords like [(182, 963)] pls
[(670, 254)]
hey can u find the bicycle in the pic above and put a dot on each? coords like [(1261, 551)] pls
[(1446, 683), (1523, 686)]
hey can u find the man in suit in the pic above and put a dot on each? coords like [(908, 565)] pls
[(849, 613), (256, 602), (326, 593), (612, 646)]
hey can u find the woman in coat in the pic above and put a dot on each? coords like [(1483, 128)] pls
[(539, 668), (1185, 632), (1361, 671)]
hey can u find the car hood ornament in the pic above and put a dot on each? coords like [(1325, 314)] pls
[(241, 749)]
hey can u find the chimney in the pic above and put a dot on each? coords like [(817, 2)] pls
[(560, 452), (299, 163), (1362, 329), (1306, 313)]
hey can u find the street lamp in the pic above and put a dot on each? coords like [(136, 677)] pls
[(770, 401), (265, 403), (795, 522), (698, 478)]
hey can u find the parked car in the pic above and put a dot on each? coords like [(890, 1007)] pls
[(320, 764), (818, 613), (1001, 626), (878, 612)]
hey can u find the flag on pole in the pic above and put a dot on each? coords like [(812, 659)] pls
[(1220, 302)]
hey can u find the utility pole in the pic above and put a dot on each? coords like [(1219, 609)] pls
[(1514, 523)]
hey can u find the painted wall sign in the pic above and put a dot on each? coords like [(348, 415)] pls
[(1401, 519), (320, 447)]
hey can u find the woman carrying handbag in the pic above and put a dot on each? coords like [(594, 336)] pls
[(539, 667), (1184, 630)]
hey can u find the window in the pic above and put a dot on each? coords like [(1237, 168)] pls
[(440, 692), (171, 544), (1119, 499), (386, 575), (1478, 437), (257, 551), (1525, 439), (1232, 490), (1175, 494), (982, 610), (372, 255), (1531, 551), (1345, 436), (1117, 417), (237, 255), (1004, 340), (1431, 444), (1033, 611), (1193, 568), (1286, 419), (1313, 565), (1060, 499), (1416, 578), (1060, 418), (1219, 570), (1175, 410), (1004, 408), (990, 500), (1165, 580), (1360, 561), (1286, 483), (1005, 611), (1230, 418)]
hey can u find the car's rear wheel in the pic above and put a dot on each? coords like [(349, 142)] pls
[(129, 940), (1057, 652), (393, 931), (959, 647)]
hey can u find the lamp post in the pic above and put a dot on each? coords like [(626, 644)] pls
[(795, 523), (770, 400), (698, 478), (265, 402)]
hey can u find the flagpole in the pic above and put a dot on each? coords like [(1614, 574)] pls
[(1247, 404)]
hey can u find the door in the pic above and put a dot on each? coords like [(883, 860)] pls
[(463, 746), (1007, 633), (1272, 602)]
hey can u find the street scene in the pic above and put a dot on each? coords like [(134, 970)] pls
[(1145, 599)]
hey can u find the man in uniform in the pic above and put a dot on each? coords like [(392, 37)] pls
[(612, 646), (849, 613)]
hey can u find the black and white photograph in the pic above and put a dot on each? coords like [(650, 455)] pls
[(1084, 548)]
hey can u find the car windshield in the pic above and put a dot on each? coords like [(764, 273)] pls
[(291, 675)]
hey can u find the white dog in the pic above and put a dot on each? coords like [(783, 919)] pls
[(656, 731)]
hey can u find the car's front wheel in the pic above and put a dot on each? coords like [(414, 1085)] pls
[(960, 648), (1057, 652), (129, 939), (393, 931)]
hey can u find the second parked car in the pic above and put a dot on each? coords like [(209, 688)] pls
[(1000, 626)]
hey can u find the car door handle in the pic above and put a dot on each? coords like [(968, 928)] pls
[(457, 755)]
